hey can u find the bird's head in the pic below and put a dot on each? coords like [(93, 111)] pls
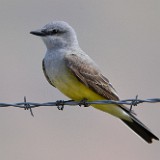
[(57, 35)]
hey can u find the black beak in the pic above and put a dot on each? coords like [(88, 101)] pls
[(38, 33)]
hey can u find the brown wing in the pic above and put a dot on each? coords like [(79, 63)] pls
[(88, 73), (44, 71)]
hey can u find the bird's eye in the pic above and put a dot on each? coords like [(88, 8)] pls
[(54, 31), (51, 32)]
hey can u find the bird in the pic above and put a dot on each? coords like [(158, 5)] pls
[(69, 69)]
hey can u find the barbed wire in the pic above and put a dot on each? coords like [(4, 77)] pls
[(61, 103)]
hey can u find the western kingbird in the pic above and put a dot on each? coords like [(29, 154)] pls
[(76, 75)]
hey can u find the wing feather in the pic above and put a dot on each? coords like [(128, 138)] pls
[(88, 73)]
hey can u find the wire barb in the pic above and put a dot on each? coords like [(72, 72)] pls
[(27, 106), (134, 103)]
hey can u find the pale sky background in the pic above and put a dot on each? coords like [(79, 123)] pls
[(122, 36)]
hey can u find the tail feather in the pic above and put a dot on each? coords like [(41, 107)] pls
[(139, 128)]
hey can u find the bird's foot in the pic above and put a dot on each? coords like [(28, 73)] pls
[(60, 104), (83, 102)]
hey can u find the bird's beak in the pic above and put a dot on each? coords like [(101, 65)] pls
[(38, 32)]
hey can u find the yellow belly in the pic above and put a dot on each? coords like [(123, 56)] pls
[(74, 89)]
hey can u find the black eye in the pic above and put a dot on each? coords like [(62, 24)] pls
[(50, 32), (54, 31)]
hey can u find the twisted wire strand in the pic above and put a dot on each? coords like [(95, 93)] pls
[(61, 103)]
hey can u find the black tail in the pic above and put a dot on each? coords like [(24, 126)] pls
[(139, 128)]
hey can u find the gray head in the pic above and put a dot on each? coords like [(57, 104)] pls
[(57, 34)]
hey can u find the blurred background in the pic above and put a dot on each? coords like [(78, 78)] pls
[(122, 36)]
